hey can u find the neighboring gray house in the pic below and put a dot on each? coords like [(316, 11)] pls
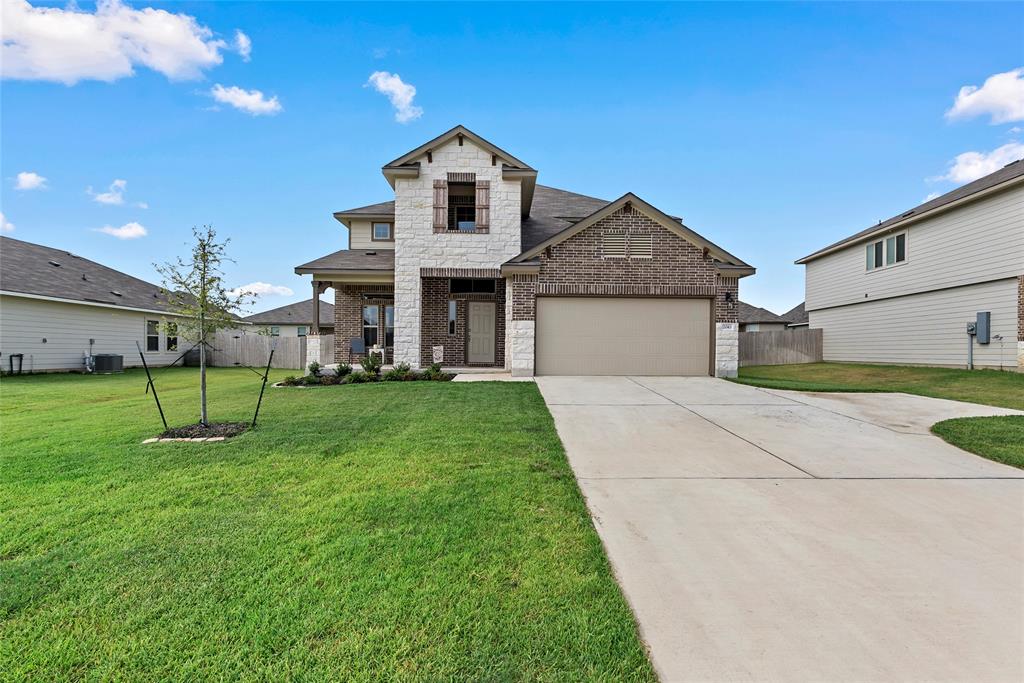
[(755, 319), (56, 308), (293, 320), (476, 264), (904, 290), (795, 317)]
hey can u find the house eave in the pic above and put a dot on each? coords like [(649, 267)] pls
[(520, 268), (909, 220), (347, 218)]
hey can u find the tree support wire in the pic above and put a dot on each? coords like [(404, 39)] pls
[(263, 386), (152, 386)]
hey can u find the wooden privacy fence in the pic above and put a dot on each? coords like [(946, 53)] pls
[(232, 348), (781, 347)]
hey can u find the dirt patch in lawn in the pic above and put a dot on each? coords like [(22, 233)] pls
[(199, 431)]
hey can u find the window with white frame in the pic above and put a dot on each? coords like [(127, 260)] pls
[(383, 232), (152, 335), (889, 251)]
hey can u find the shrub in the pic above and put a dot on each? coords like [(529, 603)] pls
[(360, 377), (435, 368), (290, 381), (311, 379), (313, 368), (371, 364), (400, 373), (343, 369)]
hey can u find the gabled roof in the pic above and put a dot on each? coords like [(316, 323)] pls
[(36, 270), (455, 132), (1011, 173), (379, 210), (359, 260), (652, 212), (796, 315), (299, 313), (553, 211), (755, 314)]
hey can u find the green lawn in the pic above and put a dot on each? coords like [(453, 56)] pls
[(996, 438), (409, 531)]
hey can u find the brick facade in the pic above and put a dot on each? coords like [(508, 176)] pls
[(435, 295), (348, 316), (578, 267)]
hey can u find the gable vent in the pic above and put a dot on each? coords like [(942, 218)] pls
[(641, 245), (613, 244)]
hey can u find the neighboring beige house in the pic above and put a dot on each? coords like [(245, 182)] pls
[(903, 291), (475, 264), (293, 320), (756, 319), (795, 317), (56, 308)]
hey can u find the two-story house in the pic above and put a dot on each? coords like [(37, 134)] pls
[(903, 291), (475, 264)]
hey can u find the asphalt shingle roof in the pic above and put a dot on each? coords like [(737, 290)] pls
[(299, 313), (796, 315), (754, 314), (1008, 172), (346, 259), (30, 269)]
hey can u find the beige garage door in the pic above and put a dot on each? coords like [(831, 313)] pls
[(594, 336)]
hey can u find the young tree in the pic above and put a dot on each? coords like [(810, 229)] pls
[(195, 291)]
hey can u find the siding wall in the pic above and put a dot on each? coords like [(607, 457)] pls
[(360, 237), (67, 328), (923, 329), (982, 241)]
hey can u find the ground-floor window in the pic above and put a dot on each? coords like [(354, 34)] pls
[(452, 310), (172, 336), (152, 335), (371, 318), (275, 331), (389, 326), (301, 330)]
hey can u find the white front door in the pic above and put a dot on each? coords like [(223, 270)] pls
[(481, 331)]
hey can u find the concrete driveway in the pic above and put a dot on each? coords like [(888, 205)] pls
[(784, 536)]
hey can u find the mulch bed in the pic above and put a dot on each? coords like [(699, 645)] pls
[(198, 431)]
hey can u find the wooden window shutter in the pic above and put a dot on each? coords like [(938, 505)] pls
[(483, 204), (440, 205)]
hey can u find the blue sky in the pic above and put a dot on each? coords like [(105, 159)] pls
[(773, 129)]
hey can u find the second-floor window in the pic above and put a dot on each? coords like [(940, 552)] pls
[(886, 252), (383, 232), (462, 207)]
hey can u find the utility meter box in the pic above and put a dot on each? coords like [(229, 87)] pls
[(983, 327)]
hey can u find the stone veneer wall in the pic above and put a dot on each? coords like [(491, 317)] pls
[(577, 267), (435, 295), (418, 247), (348, 316)]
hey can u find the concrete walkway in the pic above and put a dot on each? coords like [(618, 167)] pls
[(786, 536)]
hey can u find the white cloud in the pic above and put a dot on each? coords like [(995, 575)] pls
[(250, 101), (68, 45), (114, 195), (28, 180), (973, 165), (128, 231), (142, 205), (262, 289), (4, 225), (243, 45), (1001, 97), (399, 93)]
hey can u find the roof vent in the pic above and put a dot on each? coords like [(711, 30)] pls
[(115, 293), (54, 264), (908, 213), (371, 253), (84, 277)]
